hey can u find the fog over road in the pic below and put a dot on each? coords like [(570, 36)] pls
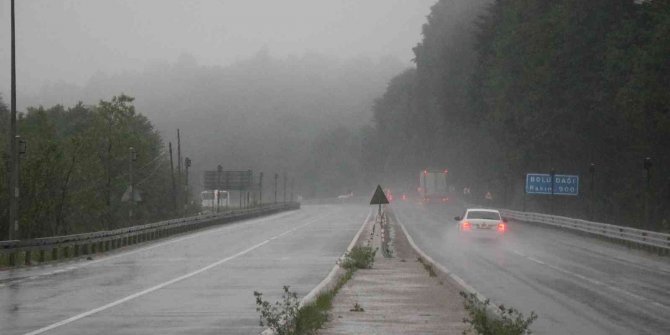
[(577, 285), (200, 283)]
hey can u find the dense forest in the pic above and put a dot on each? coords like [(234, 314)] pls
[(75, 170), (507, 87)]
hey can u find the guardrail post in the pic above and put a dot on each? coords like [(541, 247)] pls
[(66, 251), (54, 254), (28, 257), (42, 256)]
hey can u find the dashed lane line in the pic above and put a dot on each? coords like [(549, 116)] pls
[(593, 281)]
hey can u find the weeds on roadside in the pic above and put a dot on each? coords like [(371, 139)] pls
[(280, 316), (428, 267), (509, 322), (286, 317), (283, 319), (359, 258)]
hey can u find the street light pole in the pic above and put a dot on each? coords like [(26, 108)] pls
[(260, 189), (552, 173), (284, 198), (12, 166), (276, 177), (647, 210), (132, 158), (592, 171), (219, 170)]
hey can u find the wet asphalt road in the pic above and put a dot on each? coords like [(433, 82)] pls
[(200, 283), (577, 285)]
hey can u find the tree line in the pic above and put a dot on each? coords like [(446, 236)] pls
[(508, 87), (75, 170)]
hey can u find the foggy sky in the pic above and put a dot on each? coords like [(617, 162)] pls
[(69, 41)]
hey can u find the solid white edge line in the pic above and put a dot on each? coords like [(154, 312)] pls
[(444, 270), (159, 286), (330, 278)]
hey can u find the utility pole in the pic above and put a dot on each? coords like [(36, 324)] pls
[(179, 180), (284, 198), (260, 189), (647, 208), (276, 177), (174, 195), (12, 166), (187, 165), (132, 157)]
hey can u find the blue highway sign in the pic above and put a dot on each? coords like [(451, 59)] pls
[(540, 183)]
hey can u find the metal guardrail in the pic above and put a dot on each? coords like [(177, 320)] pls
[(627, 234), (25, 252)]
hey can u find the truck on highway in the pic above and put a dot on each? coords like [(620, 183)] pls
[(433, 186)]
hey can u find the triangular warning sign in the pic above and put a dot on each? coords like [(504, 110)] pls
[(379, 198)]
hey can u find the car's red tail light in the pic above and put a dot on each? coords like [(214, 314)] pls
[(501, 227), (466, 225)]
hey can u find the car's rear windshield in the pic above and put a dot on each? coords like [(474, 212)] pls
[(483, 215)]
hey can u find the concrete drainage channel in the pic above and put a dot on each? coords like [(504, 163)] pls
[(51, 249)]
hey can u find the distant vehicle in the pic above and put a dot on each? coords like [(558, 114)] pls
[(346, 196), (213, 199), (433, 186), (480, 220)]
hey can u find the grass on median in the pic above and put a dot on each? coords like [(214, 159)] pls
[(509, 321), (285, 317), (359, 258)]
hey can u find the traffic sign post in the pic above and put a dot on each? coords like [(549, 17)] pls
[(560, 184), (379, 198)]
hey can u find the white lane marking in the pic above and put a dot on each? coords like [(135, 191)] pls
[(161, 285), (144, 248), (439, 266), (592, 281)]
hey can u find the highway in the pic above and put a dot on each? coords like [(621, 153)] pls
[(199, 283), (576, 284)]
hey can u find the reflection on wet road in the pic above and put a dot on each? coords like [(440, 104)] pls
[(577, 285), (201, 283)]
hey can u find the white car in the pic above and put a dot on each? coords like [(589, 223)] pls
[(480, 220)]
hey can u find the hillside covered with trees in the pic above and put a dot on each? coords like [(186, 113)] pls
[(507, 87)]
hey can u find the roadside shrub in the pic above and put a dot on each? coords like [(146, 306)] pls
[(510, 322), (280, 316), (359, 258)]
